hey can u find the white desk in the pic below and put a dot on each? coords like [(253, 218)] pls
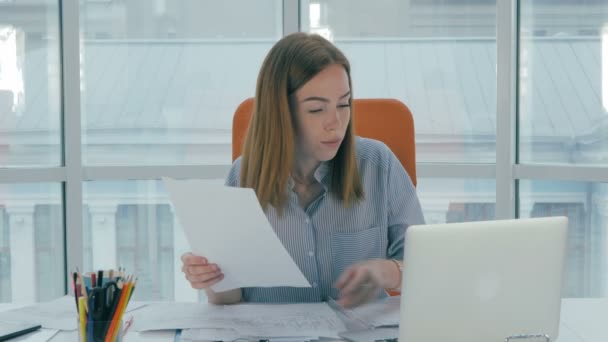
[(582, 320)]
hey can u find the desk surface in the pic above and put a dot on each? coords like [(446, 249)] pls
[(582, 320)]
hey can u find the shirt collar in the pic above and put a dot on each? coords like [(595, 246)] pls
[(320, 175)]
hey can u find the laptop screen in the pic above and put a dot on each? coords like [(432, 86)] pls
[(482, 281)]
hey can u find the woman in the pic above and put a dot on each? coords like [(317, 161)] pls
[(339, 203)]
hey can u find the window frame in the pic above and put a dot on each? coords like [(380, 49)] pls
[(506, 171)]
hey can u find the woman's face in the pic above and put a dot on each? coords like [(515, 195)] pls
[(322, 114)]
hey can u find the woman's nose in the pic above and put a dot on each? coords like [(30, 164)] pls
[(334, 120)]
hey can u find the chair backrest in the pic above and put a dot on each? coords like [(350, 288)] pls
[(387, 120)]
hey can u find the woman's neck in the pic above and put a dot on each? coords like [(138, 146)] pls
[(303, 171)]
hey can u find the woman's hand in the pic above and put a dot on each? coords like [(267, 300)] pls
[(363, 281), (199, 272)]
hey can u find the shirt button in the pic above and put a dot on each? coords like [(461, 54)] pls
[(311, 253), (307, 221), (314, 284)]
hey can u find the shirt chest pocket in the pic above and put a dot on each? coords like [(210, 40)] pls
[(349, 248)]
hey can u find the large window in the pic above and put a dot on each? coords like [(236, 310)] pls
[(32, 264), (131, 224), (30, 90), (160, 81), (438, 59), (564, 83), (159, 85), (457, 200), (586, 207), (97, 106), (562, 130)]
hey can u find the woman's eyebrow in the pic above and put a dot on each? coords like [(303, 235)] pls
[(315, 98), (323, 99)]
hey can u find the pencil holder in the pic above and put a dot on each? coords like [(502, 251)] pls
[(101, 331)]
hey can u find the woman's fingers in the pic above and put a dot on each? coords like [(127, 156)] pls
[(203, 277), (191, 259), (345, 278), (359, 280), (363, 295), (199, 285), (199, 272), (196, 270), (356, 286)]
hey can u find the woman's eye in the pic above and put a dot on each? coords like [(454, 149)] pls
[(346, 105), (316, 110)]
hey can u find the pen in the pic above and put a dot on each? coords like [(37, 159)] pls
[(75, 278)]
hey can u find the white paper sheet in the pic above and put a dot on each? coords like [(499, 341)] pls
[(307, 319), (59, 314), (42, 335), (228, 227), (380, 334), (212, 335), (381, 313)]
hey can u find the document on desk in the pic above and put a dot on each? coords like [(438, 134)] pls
[(227, 226), (383, 312), (43, 335), (233, 335), (57, 314), (259, 320)]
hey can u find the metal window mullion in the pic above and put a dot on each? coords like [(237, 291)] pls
[(71, 135), (454, 170), (566, 173), (33, 175), (291, 16), (155, 172), (506, 107)]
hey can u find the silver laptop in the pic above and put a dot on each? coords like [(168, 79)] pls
[(483, 281)]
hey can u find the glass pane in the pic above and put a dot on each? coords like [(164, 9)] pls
[(161, 80), (586, 206), (457, 200), (437, 57), (564, 82), (30, 91), (31, 243), (131, 224)]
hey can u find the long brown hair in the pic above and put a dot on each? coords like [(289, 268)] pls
[(269, 148)]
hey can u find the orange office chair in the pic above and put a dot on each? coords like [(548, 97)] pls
[(387, 120)]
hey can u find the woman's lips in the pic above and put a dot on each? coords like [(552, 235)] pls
[(332, 143)]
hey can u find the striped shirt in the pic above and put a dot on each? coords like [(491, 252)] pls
[(325, 238)]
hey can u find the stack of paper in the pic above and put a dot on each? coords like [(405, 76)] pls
[(381, 313), (375, 321), (212, 335), (307, 321)]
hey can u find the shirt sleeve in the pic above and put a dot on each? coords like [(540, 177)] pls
[(234, 175), (403, 207)]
